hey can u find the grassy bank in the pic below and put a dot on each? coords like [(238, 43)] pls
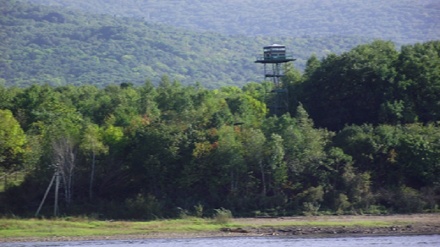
[(73, 227), (84, 228)]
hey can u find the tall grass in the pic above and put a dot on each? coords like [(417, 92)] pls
[(71, 227)]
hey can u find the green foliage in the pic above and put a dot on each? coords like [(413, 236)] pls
[(402, 199), (348, 89), (104, 50), (418, 153), (358, 189), (409, 200), (142, 207), (275, 160), (12, 142), (141, 152), (92, 140), (419, 82), (312, 199), (342, 203), (198, 210), (310, 209), (222, 216), (394, 19), (374, 84)]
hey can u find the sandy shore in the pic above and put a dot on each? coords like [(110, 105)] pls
[(417, 224), (398, 225)]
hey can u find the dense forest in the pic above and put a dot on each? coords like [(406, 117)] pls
[(402, 21), (53, 45), (362, 136)]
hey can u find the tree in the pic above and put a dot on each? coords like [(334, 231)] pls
[(304, 145), (33, 104), (64, 162), (254, 144), (258, 90), (229, 156), (351, 87), (200, 178), (312, 65), (12, 143), (147, 102), (292, 81), (58, 123), (419, 81), (153, 152), (357, 188), (92, 144), (275, 159), (418, 154), (358, 142), (7, 95)]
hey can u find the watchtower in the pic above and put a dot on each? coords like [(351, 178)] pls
[(273, 57)]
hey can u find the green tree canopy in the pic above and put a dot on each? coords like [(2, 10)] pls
[(12, 142)]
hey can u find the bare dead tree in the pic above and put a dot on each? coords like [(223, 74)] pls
[(64, 154)]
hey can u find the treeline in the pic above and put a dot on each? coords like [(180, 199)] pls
[(141, 152), (54, 45)]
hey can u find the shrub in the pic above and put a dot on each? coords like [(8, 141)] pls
[(198, 210), (409, 200), (222, 216), (311, 198), (342, 203), (142, 207), (402, 199), (310, 209)]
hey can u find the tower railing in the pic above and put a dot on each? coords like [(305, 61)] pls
[(275, 59)]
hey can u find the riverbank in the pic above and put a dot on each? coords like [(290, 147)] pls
[(421, 224), (17, 230)]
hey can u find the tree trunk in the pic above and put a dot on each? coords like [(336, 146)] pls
[(263, 179), (64, 156), (92, 174)]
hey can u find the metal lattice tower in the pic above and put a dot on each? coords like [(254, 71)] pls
[(273, 57)]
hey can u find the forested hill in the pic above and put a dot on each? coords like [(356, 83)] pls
[(402, 21), (44, 44), (148, 152)]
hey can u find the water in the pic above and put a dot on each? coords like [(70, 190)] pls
[(388, 241)]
